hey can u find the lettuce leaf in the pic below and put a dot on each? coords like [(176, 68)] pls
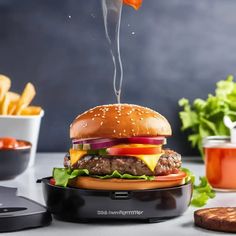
[(116, 174), (205, 117), (201, 192), (190, 176), (63, 175)]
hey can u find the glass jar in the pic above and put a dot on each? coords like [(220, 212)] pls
[(220, 162)]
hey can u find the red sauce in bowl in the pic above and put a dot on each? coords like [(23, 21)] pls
[(11, 143)]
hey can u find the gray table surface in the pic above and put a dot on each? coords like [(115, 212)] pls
[(26, 184)]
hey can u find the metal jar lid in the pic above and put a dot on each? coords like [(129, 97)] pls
[(217, 141)]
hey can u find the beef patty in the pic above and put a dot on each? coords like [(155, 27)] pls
[(169, 163)]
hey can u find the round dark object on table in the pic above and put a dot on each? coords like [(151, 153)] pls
[(13, 162), (218, 218)]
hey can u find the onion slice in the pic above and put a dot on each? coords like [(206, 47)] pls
[(159, 140), (94, 144), (102, 143)]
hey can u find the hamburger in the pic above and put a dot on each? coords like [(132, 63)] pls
[(120, 147)]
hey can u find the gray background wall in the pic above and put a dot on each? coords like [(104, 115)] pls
[(180, 49)]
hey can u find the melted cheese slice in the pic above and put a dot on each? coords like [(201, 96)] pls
[(149, 160), (75, 155)]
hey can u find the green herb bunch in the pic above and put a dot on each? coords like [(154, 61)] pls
[(205, 117)]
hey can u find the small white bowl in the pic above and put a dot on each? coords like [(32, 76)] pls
[(24, 128)]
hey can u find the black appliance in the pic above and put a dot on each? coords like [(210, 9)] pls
[(81, 205), (17, 213)]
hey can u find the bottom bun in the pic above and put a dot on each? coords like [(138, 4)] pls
[(121, 184)]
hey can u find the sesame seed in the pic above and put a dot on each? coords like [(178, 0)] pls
[(118, 122), (95, 115), (101, 123), (93, 118), (116, 117), (133, 123), (103, 116), (90, 111), (141, 118), (119, 114), (120, 134), (124, 130), (114, 131), (131, 119), (132, 130)]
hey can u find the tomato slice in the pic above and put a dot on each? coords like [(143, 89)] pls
[(136, 4), (171, 177), (8, 142), (134, 149), (52, 181)]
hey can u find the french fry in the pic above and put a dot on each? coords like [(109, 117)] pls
[(5, 105), (11, 108), (5, 84), (25, 99), (15, 104), (14, 98), (31, 111)]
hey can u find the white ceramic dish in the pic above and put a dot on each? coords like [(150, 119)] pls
[(24, 128)]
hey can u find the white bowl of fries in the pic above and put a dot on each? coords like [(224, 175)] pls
[(17, 118)]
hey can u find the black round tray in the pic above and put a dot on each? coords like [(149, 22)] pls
[(81, 205)]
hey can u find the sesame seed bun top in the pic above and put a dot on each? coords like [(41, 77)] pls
[(119, 121)]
